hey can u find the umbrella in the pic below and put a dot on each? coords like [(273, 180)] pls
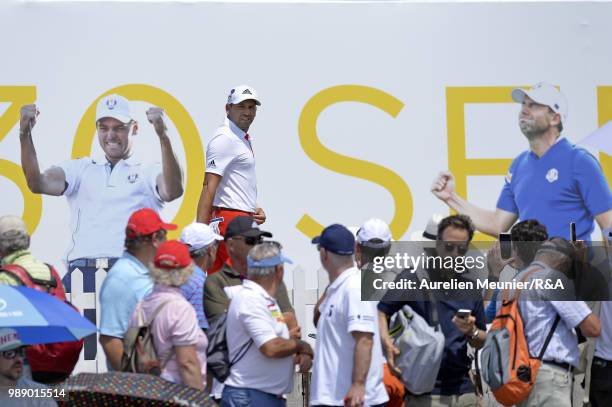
[(39, 317), (128, 389), (600, 138)]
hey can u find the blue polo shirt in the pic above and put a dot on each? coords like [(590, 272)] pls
[(565, 185), (126, 283), (453, 377)]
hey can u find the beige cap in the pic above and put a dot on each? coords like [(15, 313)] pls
[(11, 223)]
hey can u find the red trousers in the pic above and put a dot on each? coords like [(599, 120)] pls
[(228, 215)]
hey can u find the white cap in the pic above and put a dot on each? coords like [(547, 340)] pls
[(374, 229), (431, 230), (114, 106), (241, 93), (11, 223), (9, 339), (198, 235), (544, 94)]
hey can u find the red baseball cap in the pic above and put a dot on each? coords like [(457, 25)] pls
[(172, 255), (144, 222)]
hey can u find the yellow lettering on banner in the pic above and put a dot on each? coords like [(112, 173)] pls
[(32, 203), (348, 165), (604, 115), (185, 126), (458, 163)]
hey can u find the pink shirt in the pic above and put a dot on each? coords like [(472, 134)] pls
[(175, 325)]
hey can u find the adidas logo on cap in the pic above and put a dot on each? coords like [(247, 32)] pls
[(246, 92)]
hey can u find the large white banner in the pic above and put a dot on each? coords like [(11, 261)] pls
[(362, 104)]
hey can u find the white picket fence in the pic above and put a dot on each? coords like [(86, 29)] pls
[(303, 301)]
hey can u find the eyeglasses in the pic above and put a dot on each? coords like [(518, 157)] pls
[(13, 353), (461, 248)]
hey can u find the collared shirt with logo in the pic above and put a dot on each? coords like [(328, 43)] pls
[(102, 199), (343, 312), (565, 185), (230, 155), (255, 314)]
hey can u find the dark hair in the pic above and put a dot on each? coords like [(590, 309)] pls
[(526, 237), (134, 243), (457, 221), (369, 253)]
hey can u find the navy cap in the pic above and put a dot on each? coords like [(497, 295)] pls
[(336, 239)]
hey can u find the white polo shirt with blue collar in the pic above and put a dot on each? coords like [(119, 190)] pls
[(102, 199)]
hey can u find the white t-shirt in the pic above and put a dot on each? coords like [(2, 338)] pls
[(230, 155), (254, 314), (101, 201), (603, 345), (343, 312)]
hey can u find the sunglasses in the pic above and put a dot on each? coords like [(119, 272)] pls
[(13, 353), (461, 248), (249, 240)]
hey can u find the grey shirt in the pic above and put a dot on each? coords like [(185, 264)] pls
[(43, 399)]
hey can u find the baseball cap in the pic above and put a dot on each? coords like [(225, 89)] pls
[(336, 239), (172, 254), (374, 233), (9, 339), (114, 106), (268, 262), (244, 226), (544, 94), (144, 222), (241, 93), (11, 223), (198, 235)]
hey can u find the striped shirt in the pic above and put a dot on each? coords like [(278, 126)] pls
[(193, 291)]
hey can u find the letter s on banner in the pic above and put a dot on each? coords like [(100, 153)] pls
[(352, 166), (604, 114), (18, 96), (186, 128)]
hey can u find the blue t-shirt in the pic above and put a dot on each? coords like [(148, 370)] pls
[(453, 377), (193, 291), (127, 282), (565, 185)]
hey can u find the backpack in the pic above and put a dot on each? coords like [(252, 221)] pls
[(506, 363), (421, 346), (51, 362), (139, 353), (217, 354)]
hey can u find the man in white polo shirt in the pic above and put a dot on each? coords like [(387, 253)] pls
[(348, 365), (230, 184), (264, 372), (102, 194)]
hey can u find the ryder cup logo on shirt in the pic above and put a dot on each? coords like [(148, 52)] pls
[(132, 178), (552, 175)]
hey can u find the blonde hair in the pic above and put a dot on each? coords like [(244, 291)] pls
[(171, 277)]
